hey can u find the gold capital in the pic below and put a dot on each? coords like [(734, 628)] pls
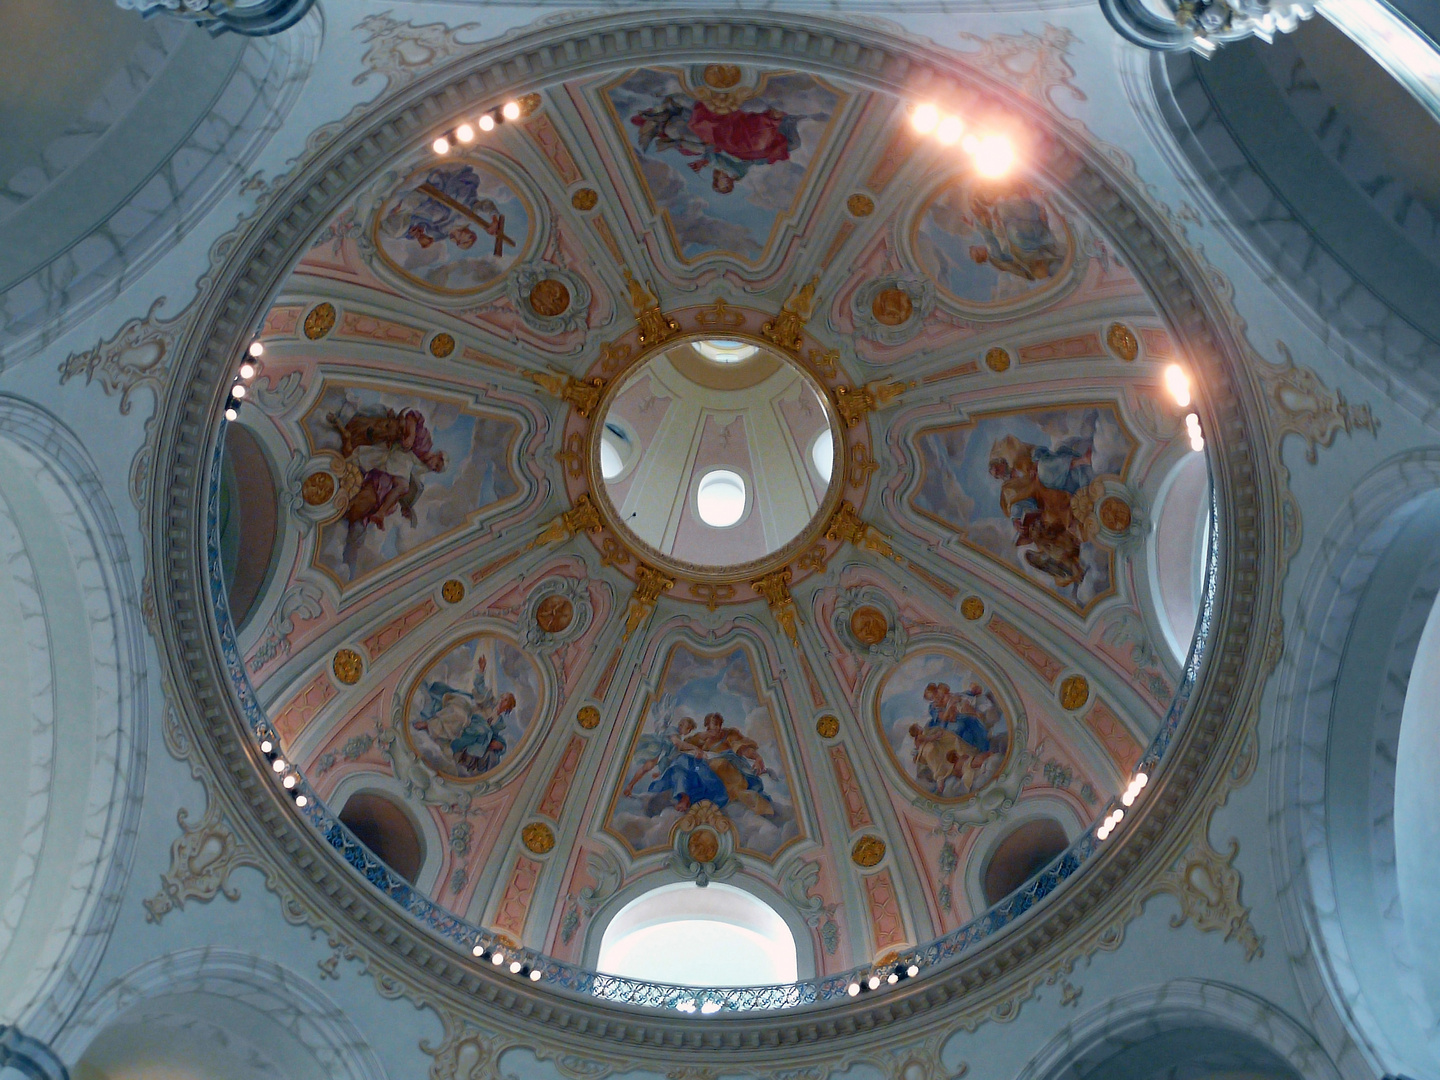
[(775, 588), (655, 325), (582, 517), (582, 394), (785, 330), (847, 525), (649, 585)]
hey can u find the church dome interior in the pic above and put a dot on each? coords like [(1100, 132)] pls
[(805, 540)]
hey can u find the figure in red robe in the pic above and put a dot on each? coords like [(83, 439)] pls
[(728, 143)]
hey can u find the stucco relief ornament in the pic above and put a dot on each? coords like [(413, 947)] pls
[(703, 845), (655, 325), (786, 330), (557, 611), (420, 783), (1204, 25), (549, 298), (891, 310), (865, 619)]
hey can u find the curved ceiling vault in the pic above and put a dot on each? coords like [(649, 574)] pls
[(958, 643)]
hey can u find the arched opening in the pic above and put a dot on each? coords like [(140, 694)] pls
[(1178, 550), (386, 830), (715, 936), (1021, 855), (249, 520)]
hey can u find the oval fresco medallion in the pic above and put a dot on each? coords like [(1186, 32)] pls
[(993, 246), (452, 228), (471, 709), (943, 724)]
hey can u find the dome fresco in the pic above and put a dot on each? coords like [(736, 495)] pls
[(843, 702)]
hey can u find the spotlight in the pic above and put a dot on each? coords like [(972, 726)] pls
[(497, 958), (278, 764), (1102, 832), (1141, 779), (465, 133), (853, 989), (515, 967), (893, 978), (710, 1008), (441, 145), (231, 413), (266, 746), (301, 801), (874, 982), (913, 970), (238, 391), (1178, 383), (511, 111), (247, 371), (924, 118), (290, 781), (534, 974), (1118, 814), (994, 156), (487, 122), (257, 349), (949, 130), (1128, 798), (478, 950)]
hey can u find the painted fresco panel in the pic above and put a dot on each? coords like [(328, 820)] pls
[(989, 246), (943, 725), (452, 228), (412, 469), (471, 709), (722, 166), (707, 735), (1022, 488)]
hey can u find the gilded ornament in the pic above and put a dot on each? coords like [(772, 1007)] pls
[(549, 297), (869, 625), (719, 314), (846, 525), (441, 346), (853, 402), (317, 489), (786, 329), (453, 591), (860, 205), (703, 845), (585, 199), (320, 321), (528, 104), (775, 588), (588, 717), (972, 607), (554, 614), (721, 77), (1074, 692), (868, 851), (649, 585), (828, 726), (1115, 514), (582, 394), (582, 517), (538, 837), (1122, 341), (891, 307), (997, 359), (655, 325), (347, 666)]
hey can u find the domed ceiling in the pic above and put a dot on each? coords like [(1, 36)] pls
[(930, 653)]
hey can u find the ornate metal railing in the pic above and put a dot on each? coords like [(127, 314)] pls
[(555, 974)]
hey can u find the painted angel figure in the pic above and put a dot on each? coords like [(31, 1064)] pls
[(386, 454), (470, 724), (1015, 228), (447, 206), (727, 142)]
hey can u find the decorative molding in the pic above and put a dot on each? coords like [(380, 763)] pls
[(201, 861), (1300, 404)]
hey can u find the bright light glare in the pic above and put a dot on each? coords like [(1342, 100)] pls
[(257, 349), (301, 801), (970, 144), (924, 120), (994, 156), (511, 111), (441, 145), (1178, 383), (238, 391), (465, 133), (232, 415), (822, 453), (247, 371), (720, 498), (289, 781), (611, 464), (949, 130), (487, 122)]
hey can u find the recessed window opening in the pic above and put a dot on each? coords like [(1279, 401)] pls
[(686, 935), (611, 464), (725, 352), (720, 498), (1022, 855), (822, 453), (383, 828)]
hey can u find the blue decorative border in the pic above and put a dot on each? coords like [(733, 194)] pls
[(466, 936)]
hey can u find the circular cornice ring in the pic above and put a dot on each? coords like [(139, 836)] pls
[(1089, 913)]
